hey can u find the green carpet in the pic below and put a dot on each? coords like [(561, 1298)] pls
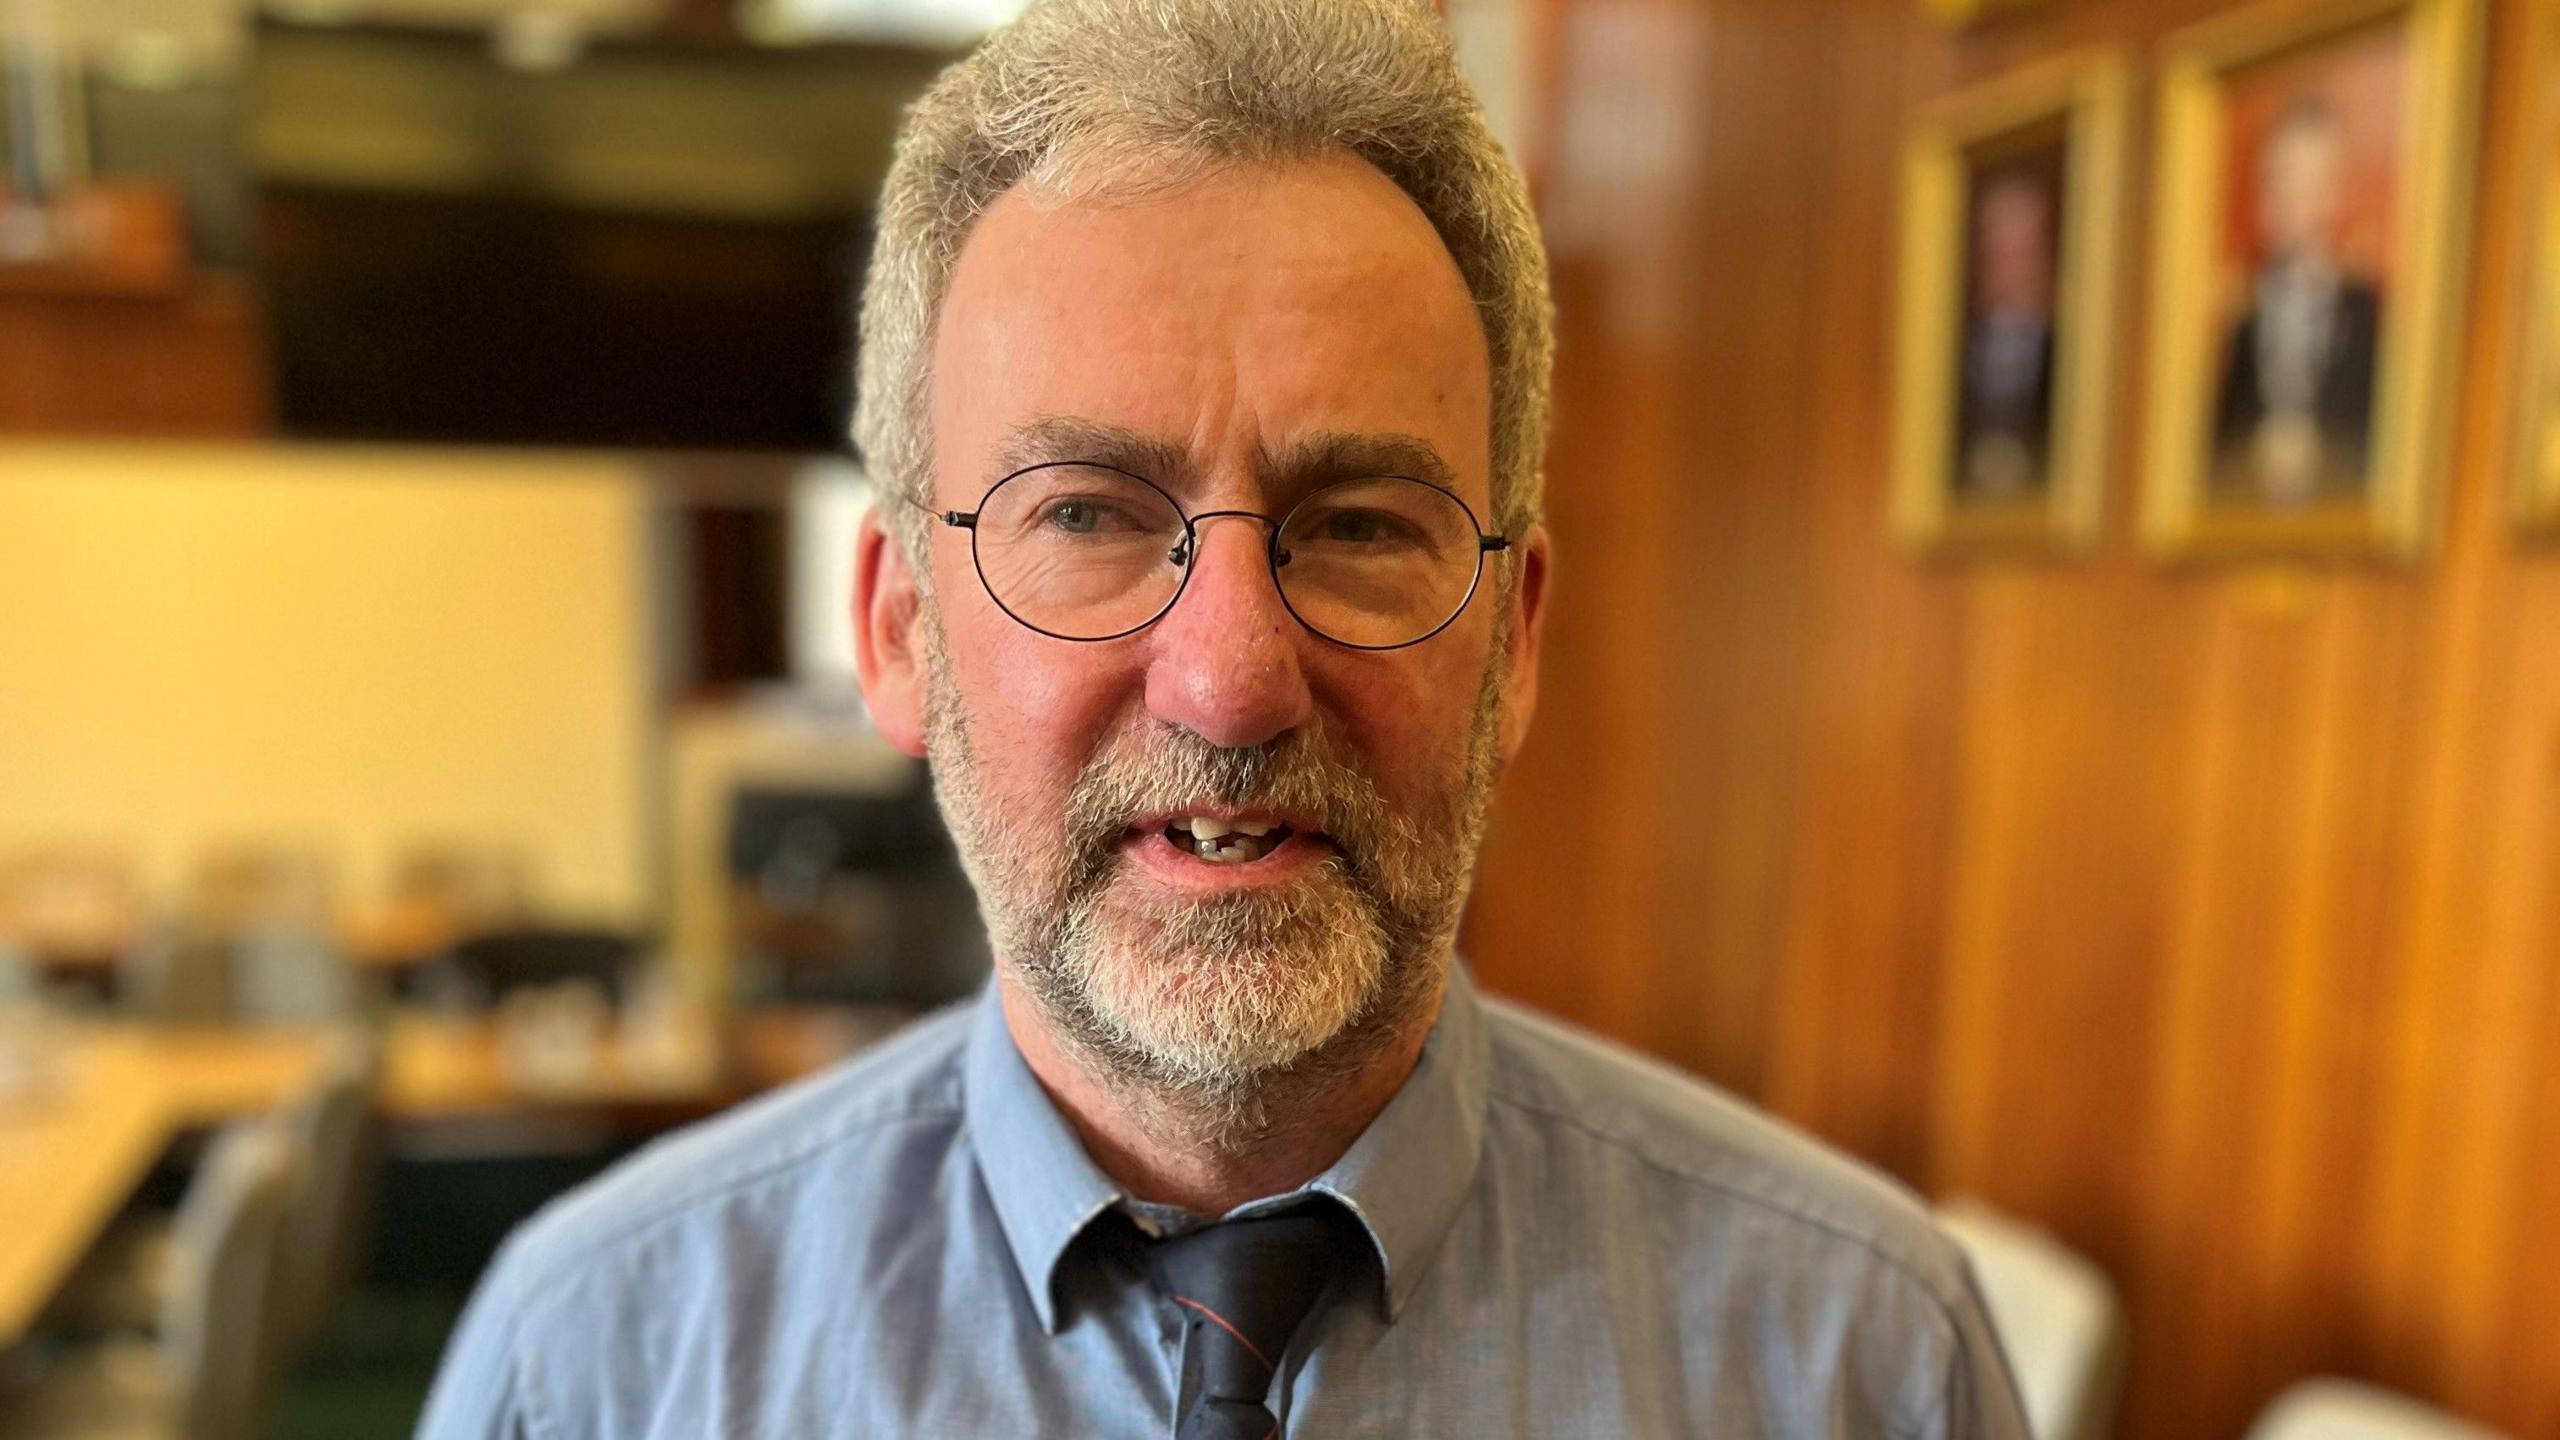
[(366, 1374)]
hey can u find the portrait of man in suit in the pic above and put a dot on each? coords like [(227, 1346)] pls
[(2004, 418), (2294, 418)]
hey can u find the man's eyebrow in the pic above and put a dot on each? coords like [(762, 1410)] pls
[(1330, 455), (1298, 466), (1048, 439)]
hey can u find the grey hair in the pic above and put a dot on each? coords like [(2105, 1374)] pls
[(1078, 93)]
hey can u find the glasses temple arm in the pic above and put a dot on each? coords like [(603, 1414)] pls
[(956, 519)]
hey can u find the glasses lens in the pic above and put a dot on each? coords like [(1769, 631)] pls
[(1379, 562), (1079, 551)]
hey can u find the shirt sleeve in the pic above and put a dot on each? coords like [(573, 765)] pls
[(478, 1394)]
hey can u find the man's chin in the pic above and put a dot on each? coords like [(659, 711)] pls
[(1221, 990)]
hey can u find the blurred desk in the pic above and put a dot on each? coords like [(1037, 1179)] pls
[(368, 952), (111, 1098), (113, 1095), (450, 1068)]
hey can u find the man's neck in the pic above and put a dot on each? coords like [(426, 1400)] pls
[(1152, 1160)]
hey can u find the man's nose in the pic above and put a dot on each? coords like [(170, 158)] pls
[(1226, 659)]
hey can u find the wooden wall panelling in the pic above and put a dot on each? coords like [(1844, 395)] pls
[(2458, 1133), (2210, 917), (1567, 875), (1738, 543), (1876, 653), (2531, 1396), (2287, 745), (1569, 901)]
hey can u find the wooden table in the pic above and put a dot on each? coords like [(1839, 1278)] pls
[(73, 1151), (453, 1068), (111, 1099), (370, 952)]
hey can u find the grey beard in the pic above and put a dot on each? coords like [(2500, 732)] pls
[(1226, 1108), (1290, 994)]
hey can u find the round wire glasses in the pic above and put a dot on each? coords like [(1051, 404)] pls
[(1083, 551)]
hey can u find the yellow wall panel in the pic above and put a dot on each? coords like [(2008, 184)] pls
[(356, 649)]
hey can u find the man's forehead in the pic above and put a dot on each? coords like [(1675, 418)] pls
[(2306, 137), (1284, 325)]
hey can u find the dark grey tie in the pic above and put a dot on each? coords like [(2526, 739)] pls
[(1244, 1288)]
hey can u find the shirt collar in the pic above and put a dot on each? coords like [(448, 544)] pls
[(1408, 1173), (1404, 1178), (1045, 1188)]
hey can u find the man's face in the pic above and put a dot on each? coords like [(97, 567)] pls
[(2298, 188), (1221, 340), (2013, 259)]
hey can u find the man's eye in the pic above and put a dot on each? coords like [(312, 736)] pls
[(1081, 517), (1362, 527)]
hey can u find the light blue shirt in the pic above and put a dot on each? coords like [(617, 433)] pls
[(1570, 1241)]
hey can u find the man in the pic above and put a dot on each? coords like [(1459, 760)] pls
[(2295, 419), (1200, 335), (2005, 422)]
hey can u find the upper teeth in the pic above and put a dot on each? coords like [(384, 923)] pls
[(1204, 828)]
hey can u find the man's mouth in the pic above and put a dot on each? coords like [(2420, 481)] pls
[(1226, 842)]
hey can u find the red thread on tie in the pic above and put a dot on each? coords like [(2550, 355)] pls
[(1250, 1347)]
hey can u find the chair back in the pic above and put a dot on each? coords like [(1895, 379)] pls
[(217, 1320), (2056, 1315), (287, 975), (2344, 1410), (178, 977), (19, 978), (331, 1205), (238, 890)]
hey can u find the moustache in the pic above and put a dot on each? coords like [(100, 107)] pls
[(1302, 773)]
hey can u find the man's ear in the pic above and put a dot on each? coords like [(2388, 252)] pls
[(1526, 621), (888, 636)]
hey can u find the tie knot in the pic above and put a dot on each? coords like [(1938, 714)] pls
[(1245, 1287)]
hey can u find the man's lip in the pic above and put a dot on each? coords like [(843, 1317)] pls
[(1176, 866), (1157, 820)]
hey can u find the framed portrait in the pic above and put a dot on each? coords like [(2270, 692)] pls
[(2310, 233), (2012, 198), (2537, 442)]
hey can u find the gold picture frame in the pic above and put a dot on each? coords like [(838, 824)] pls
[(2045, 145), (2301, 383), (1964, 14), (2537, 431)]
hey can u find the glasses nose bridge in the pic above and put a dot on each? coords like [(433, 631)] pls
[(1187, 549)]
